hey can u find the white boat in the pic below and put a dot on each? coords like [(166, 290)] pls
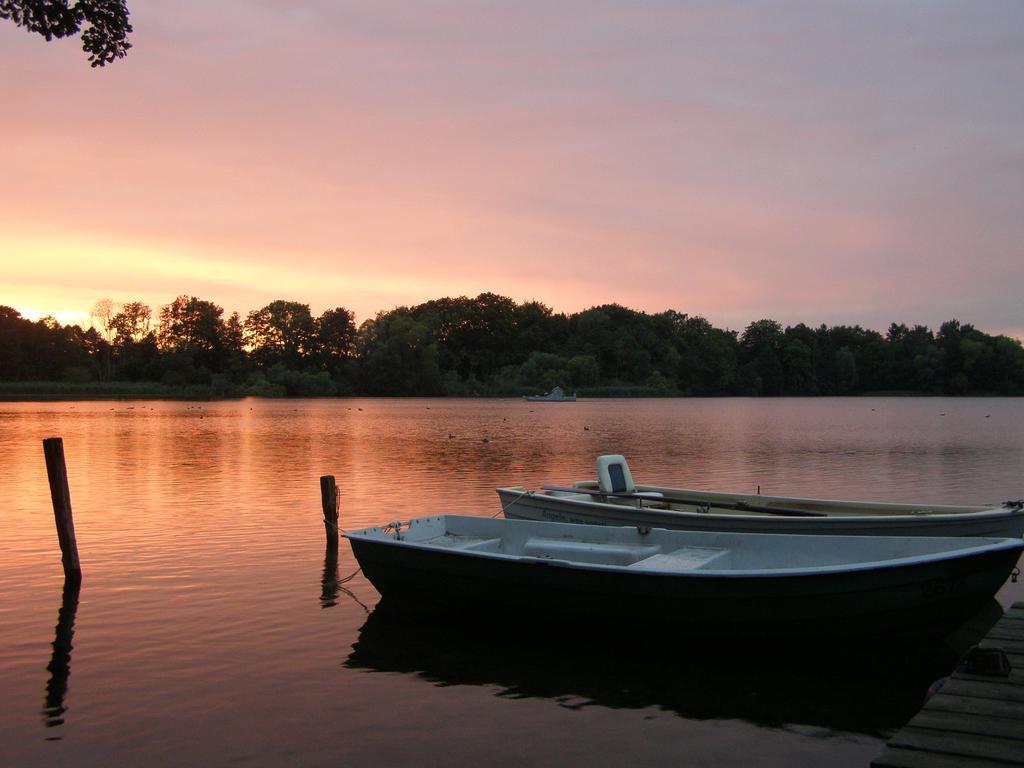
[(708, 584), (556, 395), (614, 499)]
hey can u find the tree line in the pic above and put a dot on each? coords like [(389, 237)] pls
[(492, 345)]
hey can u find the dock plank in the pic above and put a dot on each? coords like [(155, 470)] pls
[(1005, 632), (1008, 625), (969, 723), (1011, 617), (984, 688), (894, 757), (1014, 646), (966, 745), (1016, 677), (972, 705), (974, 721)]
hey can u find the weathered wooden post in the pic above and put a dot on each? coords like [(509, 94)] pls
[(329, 499), (57, 472)]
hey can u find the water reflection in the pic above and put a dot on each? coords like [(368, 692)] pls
[(60, 662), (331, 587), (872, 691), (329, 580), (157, 488)]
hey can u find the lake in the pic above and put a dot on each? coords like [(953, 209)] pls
[(211, 629)]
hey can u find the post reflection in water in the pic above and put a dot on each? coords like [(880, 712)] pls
[(869, 690), (331, 586), (60, 662), (329, 581)]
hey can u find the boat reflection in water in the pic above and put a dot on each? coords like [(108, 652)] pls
[(871, 691)]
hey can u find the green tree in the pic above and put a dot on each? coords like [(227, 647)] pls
[(103, 23), (281, 332), (234, 334), (799, 367), (336, 334), (621, 339), (191, 339), (45, 350), (474, 336), (191, 323), (761, 343), (398, 356), (132, 323), (336, 338), (1007, 366), (582, 370), (846, 371), (537, 328), (705, 360), (543, 371)]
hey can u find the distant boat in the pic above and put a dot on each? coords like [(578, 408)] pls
[(739, 585), (556, 395), (613, 499)]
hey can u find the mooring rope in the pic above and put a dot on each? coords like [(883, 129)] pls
[(351, 576), (358, 602), (357, 570), (510, 503)]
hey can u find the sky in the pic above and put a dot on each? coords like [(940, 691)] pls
[(820, 162)]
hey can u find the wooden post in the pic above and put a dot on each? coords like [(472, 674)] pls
[(329, 500), (57, 472)]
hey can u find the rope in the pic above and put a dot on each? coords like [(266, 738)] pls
[(510, 503), (359, 602), (357, 570), (351, 576)]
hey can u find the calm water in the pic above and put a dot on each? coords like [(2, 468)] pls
[(209, 628)]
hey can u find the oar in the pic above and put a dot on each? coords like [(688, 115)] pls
[(739, 505)]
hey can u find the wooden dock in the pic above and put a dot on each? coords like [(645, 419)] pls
[(974, 721)]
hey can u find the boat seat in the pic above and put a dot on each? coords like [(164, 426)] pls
[(457, 541), (484, 545), (587, 551), (613, 475), (685, 559)]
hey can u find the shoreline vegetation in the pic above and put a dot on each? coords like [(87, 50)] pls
[(56, 391), (486, 346)]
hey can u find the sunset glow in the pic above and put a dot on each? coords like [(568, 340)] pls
[(842, 164)]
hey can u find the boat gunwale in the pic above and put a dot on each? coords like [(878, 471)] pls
[(866, 518)]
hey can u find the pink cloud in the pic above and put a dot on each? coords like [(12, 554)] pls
[(835, 164)]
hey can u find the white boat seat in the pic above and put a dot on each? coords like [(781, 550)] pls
[(685, 559), (587, 551), (613, 475)]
